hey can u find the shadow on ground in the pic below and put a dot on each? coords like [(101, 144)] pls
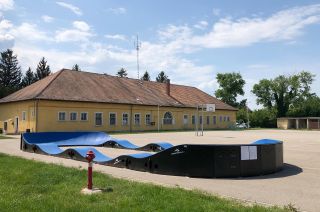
[(287, 171)]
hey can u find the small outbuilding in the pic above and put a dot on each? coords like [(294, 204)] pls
[(298, 123)]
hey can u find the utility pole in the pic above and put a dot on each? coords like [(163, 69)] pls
[(137, 45), (248, 122)]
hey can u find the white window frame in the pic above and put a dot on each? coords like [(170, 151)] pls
[(73, 112), (87, 117), (115, 122), (145, 119), (187, 119), (128, 119), (24, 116), (65, 115), (134, 119), (95, 120)]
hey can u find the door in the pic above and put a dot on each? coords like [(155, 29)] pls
[(16, 126)]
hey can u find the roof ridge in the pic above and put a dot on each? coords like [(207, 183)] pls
[(57, 74), (125, 78)]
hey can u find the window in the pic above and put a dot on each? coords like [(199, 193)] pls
[(200, 119), (185, 119), (23, 115), (125, 119), (112, 118), (148, 119), (225, 119), (84, 116), (73, 116), (167, 118), (228, 119), (220, 118), (208, 120), (137, 119), (193, 119), (214, 120), (62, 116), (98, 119)]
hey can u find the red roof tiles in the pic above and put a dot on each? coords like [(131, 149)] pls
[(71, 85)]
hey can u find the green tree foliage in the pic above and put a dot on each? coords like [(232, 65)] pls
[(146, 76), (230, 86), (122, 73), (242, 115), (283, 91), (28, 78), (266, 118), (43, 70), (162, 77), (309, 107), (10, 73), (76, 68)]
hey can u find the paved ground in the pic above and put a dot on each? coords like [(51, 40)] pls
[(298, 183)]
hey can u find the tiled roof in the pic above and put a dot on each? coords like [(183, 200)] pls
[(82, 86)]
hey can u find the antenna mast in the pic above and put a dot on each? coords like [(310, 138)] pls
[(137, 45)]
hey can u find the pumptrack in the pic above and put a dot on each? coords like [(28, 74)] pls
[(194, 160)]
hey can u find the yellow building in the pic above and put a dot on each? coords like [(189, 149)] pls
[(81, 101)]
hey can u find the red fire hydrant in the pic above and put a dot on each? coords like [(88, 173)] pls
[(90, 157)]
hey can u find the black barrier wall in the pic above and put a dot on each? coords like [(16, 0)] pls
[(206, 161)]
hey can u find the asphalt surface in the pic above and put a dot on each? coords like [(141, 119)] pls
[(298, 183)]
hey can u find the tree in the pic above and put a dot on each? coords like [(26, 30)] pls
[(162, 77), (10, 73), (146, 76), (283, 91), (43, 70), (230, 86), (122, 73), (263, 118), (76, 68), (307, 108), (29, 78)]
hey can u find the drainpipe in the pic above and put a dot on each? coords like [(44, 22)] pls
[(36, 114), (131, 118), (158, 118)]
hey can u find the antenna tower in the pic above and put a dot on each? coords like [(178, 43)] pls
[(137, 45)]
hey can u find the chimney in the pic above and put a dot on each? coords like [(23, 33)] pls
[(168, 87)]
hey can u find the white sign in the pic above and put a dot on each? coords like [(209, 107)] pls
[(249, 153), (210, 107)]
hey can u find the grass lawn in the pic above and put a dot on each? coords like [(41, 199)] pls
[(27, 185)]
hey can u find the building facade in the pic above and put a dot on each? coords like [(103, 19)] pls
[(80, 101), (298, 123)]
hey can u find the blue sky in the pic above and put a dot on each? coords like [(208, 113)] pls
[(190, 40)]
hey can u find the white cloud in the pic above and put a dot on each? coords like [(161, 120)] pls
[(6, 5), (116, 37), (27, 31), (118, 11), (47, 19), (80, 32), (72, 35), (81, 25), (5, 26), (74, 9), (284, 25), (201, 25)]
